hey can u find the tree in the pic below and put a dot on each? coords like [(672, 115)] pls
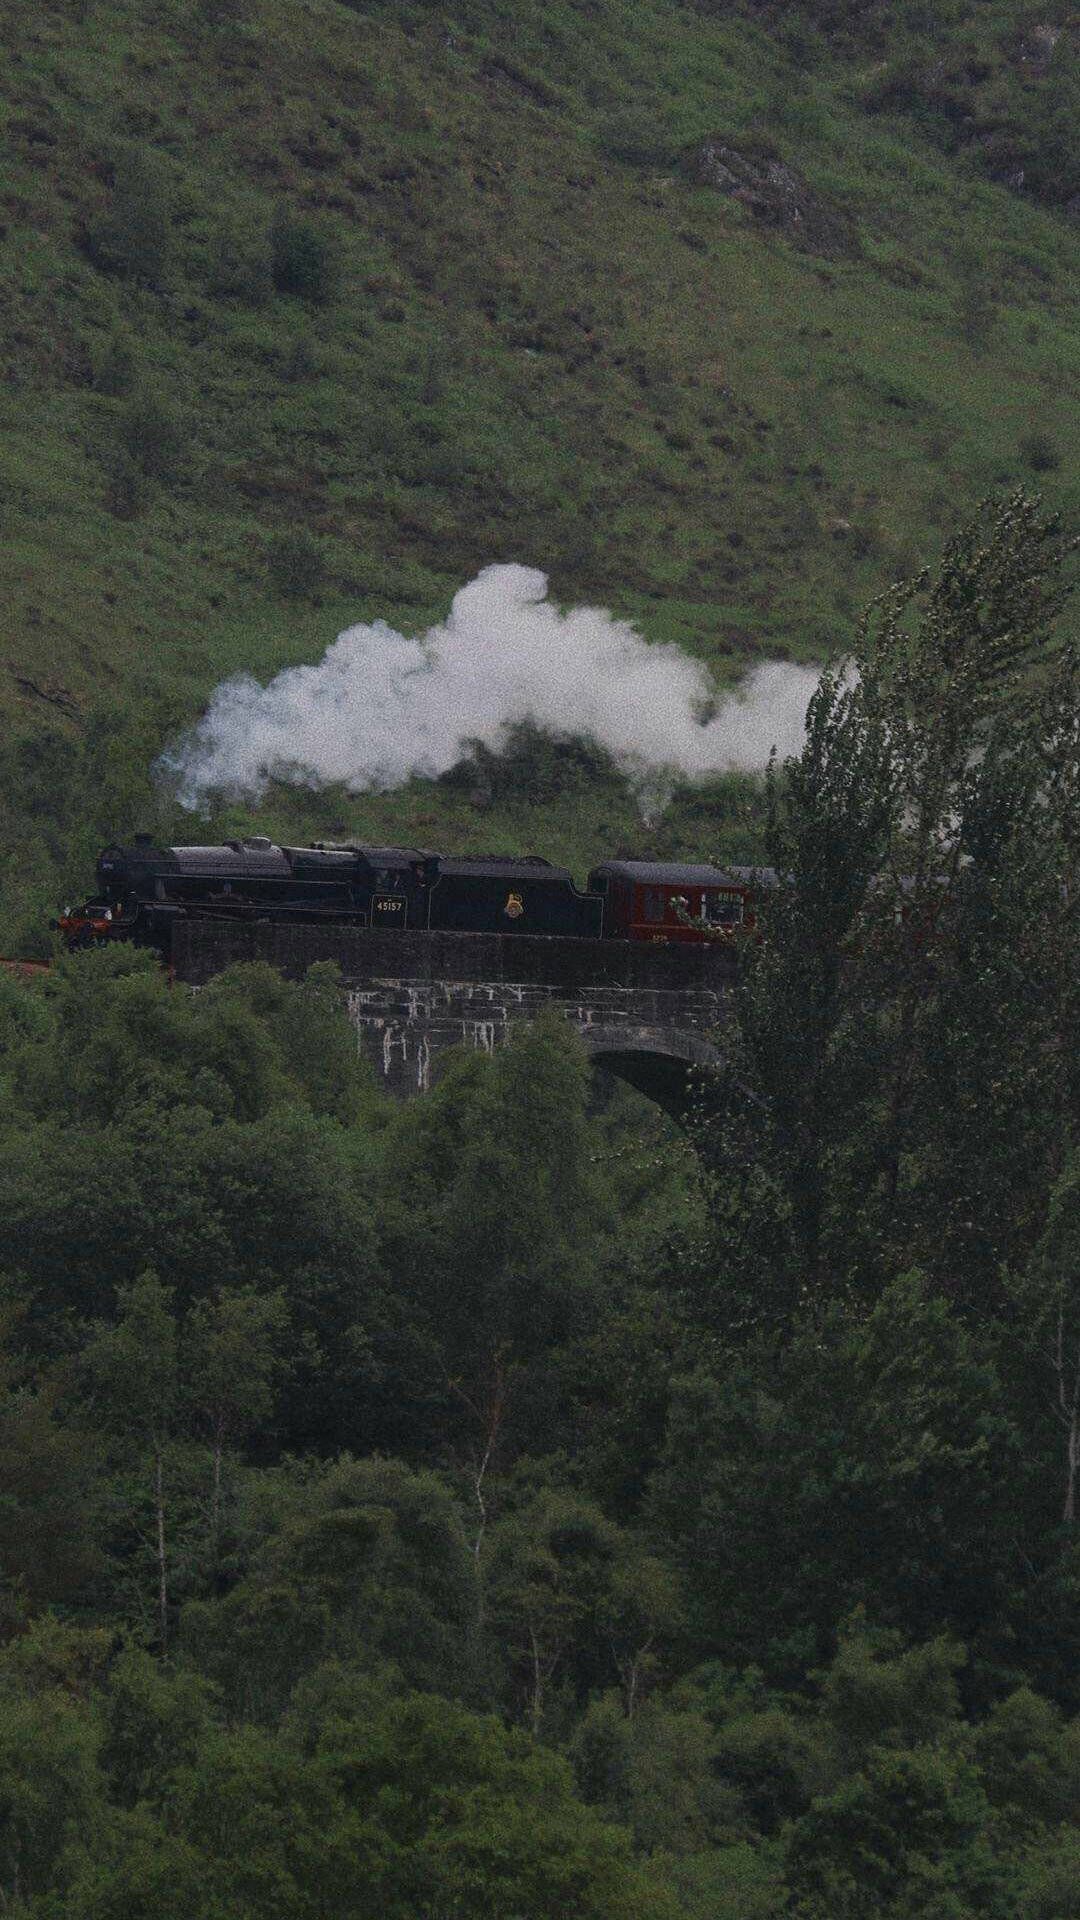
[(951, 664), (47, 1549), (547, 1570), (899, 1823), (308, 1027), (133, 1374), (231, 1361), (870, 1460), (657, 1774), (879, 1692), (639, 1616), (117, 1038), (1047, 1296), (303, 258), (993, 1093), (151, 1723), (493, 1204), (488, 1824), (804, 1054), (1050, 1888), (411, 1806), (1029, 1760), (50, 1793), (200, 1136), (570, 1595), (896, 1092), (905, 1838), (361, 1560)]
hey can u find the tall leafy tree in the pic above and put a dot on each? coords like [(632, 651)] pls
[(231, 1361), (864, 1462), (494, 1205), (923, 844), (954, 664), (132, 1369), (1047, 1297), (802, 1066), (360, 1560), (48, 1550)]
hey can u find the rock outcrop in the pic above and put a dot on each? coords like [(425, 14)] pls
[(775, 195)]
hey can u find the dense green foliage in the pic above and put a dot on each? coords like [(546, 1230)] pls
[(313, 309), (502, 1507), (492, 1507)]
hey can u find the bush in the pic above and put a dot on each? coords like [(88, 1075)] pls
[(532, 767), (976, 314), (219, 15), (126, 487), (153, 436), (296, 563), (636, 138), (113, 366), (303, 259), (300, 363), (132, 238), (239, 270), (1040, 452)]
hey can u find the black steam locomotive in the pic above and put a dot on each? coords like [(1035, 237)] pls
[(143, 889)]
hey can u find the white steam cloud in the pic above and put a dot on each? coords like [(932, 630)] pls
[(380, 707)]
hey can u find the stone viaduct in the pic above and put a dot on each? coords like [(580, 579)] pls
[(644, 1013)]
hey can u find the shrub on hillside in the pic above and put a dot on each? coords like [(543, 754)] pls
[(113, 366), (239, 269), (153, 435), (126, 487), (295, 560), (1040, 452), (301, 361), (221, 14), (976, 314), (636, 137), (132, 237), (531, 767), (303, 259)]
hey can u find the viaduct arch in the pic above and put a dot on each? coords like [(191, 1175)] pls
[(645, 1013)]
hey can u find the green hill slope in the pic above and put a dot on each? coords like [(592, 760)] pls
[(721, 316)]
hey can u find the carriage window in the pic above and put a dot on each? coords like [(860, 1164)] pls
[(724, 908), (653, 903)]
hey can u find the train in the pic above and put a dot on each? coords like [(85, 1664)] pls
[(142, 890)]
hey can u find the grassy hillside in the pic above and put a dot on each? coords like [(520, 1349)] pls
[(720, 315)]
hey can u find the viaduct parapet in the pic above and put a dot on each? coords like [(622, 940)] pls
[(645, 1013)]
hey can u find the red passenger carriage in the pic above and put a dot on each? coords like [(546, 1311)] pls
[(661, 900)]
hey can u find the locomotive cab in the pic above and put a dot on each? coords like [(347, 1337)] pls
[(395, 883)]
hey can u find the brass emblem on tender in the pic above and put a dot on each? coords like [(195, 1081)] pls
[(515, 906)]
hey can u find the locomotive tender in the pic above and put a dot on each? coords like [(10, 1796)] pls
[(144, 889)]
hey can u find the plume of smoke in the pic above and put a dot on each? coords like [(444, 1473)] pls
[(380, 707)]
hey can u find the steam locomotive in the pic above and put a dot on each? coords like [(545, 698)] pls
[(144, 889)]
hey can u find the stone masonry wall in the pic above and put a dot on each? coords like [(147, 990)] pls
[(413, 995), (406, 1026), (204, 947)]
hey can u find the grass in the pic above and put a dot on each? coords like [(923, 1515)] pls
[(532, 336)]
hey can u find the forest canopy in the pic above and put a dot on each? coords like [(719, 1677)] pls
[(502, 1505)]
